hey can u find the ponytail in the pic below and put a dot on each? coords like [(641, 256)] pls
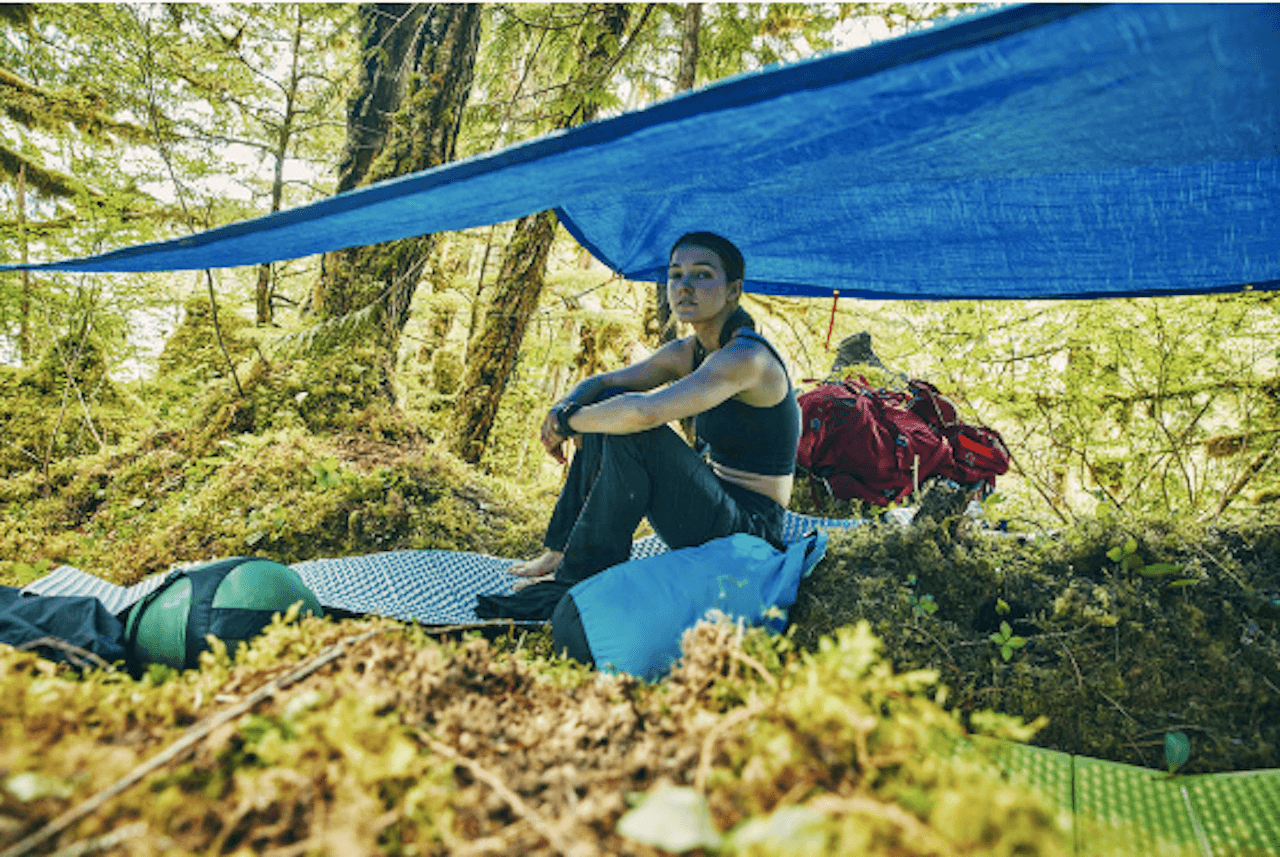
[(737, 320)]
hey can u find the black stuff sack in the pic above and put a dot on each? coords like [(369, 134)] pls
[(81, 621), (232, 599)]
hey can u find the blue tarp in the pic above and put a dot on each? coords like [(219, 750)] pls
[(1034, 152)]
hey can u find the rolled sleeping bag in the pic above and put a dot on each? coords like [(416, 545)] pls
[(232, 599)]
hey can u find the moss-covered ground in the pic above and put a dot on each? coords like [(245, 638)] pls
[(1109, 634), (408, 745), (1118, 631)]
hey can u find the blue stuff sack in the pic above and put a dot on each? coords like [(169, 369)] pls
[(634, 614)]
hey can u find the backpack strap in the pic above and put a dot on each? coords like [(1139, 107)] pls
[(204, 583), (135, 613)]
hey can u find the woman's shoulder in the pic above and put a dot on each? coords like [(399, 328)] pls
[(749, 345), (749, 342)]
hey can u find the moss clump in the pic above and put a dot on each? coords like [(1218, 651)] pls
[(65, 405), (192, 353), (286, 495), (406, 745), (1181, 638)]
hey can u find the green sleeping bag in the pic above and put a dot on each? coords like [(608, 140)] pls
[(232, 599)]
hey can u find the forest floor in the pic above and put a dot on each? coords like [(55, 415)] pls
[(1114, 631)]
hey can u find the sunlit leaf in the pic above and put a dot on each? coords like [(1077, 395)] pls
[(674, 818), (1177, 749), (1160, 569)]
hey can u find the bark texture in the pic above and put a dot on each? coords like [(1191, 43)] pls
[(418, 66), (520, 280), (686, 76)]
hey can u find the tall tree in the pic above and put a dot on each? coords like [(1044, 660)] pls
[(686, 77), (44, 116), (417, 67), (267, 77), (602, 42)]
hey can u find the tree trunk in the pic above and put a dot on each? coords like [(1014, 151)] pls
[(520, 279), (419, 60), (493, 355), (686, 76), (265, 312), (24, 307)]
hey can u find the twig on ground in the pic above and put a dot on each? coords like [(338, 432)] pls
[(1075, 666), (739, 655), (713, 734), (894, 814), (80, 658), (180, 747), (103, 842)]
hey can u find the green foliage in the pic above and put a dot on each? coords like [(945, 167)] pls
[(25, 572), (1106, 652), (1006, 641)]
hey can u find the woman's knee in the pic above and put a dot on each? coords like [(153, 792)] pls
[(657, 438)]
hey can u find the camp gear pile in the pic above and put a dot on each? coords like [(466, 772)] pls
[(878, 445), (232, 599)]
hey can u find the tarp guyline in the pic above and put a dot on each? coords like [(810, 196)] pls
[(1050, 151)]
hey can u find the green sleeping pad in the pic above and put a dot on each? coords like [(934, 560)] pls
[(1123, 809)]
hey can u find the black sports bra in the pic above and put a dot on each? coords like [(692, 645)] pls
[(756, 440)]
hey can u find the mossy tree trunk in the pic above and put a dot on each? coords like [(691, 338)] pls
[(418, 65), (524, 263), (685, 79), (493, 355)]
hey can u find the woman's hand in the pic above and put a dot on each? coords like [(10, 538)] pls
[(551, 438)]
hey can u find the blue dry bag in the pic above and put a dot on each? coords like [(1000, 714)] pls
[(634, 614)]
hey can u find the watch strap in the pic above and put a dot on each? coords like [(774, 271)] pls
[(563, 413)]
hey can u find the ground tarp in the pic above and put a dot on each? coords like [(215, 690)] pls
[(1035, 152)]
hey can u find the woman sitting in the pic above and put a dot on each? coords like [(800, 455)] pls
[(631, 465)]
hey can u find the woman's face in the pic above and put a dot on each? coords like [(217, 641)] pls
[(696, 286)]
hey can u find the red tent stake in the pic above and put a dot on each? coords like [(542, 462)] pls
[(835, 298)]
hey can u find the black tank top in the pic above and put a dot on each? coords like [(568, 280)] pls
[(757, 440)]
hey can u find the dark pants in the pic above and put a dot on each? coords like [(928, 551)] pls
[(617, 480), (613, 483)]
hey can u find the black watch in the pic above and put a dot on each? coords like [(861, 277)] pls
[(563, 413)]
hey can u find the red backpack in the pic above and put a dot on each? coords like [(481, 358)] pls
[(878, 445), (978, 453)]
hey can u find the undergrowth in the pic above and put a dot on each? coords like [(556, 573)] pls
[(1118, 631), (287, 495), (409, 745)]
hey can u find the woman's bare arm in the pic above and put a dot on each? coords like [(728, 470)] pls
[(739, 366)]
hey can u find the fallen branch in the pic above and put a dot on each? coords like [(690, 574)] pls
[(180, 747), (80, 658)]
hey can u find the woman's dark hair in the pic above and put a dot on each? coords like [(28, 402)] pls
[(730, 256)]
